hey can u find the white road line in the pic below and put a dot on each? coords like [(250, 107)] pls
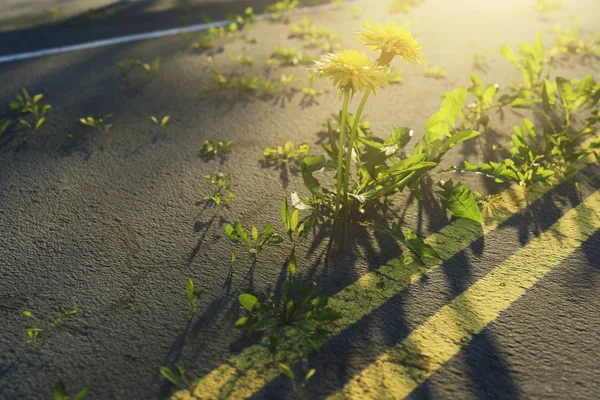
[(153, 35)]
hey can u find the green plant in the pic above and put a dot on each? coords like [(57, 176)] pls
[(32, 113), (309, 95), (243, 19), (296, 306), (418, 248), (98, 122), (193, 294), (60, 393), (4, 124), (295, 232), (215, 148), (55, 13), (283, 55), (395, 76), (279, 8), (33, 332), (177, 377), (223, 193), (163, 121), (256, 242), (568, 41), (544, 6), (435, 72), (288, 154), (242, 58), (290, 374), (316, 36), (130, 63)]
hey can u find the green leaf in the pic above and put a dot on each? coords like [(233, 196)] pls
[(310, 374), (439, 123), (81, 395), (254, 233), (294, 220), (292, 263), (28, 313), (285, 215), (306, 326), (171, 376), (308, 166), (507, 52), (424, 252), (286, 370), (460, 201), (59, 391), (460, 137), (248, 301)]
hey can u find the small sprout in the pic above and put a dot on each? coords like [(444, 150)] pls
[(177, 377), (316, 36), (193, 294), (60, 393), (395, 76), (130, 63), (256, 242), (223, 193), (282, 55), (283, 156), (55, 13), (33, 332), (32, 113), (162, 122), (279, 8), (435, 72), (99, 123), (4, 124), (215, 148)]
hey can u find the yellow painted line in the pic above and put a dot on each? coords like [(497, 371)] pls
[(254, 367), (402, 369)]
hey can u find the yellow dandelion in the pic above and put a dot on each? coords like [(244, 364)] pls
[(392, 40), (351, 71)]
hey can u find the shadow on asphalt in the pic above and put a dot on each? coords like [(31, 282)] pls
[(346, 354)]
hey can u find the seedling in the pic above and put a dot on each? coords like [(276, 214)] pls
[(283, 55), (279, 8), (99, 123), (223, 193), (32, 113), (55, 13), (242, 58), (435, 72), (246, 84), (256, 242), (395, 76), (288, 154), (162, 122), (244, 19), (295, 232), (130, 63), (290, 374), (33, 332), (177, 377), (309, 95), (315, 36), (297, 306), (215, 148), (568, 41), (60, 393), (193, 294), (4, 124)]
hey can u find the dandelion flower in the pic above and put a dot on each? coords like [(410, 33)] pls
[(392, 40), (351, 71)]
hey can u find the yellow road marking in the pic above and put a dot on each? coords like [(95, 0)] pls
[(254, 367), (402, 369)]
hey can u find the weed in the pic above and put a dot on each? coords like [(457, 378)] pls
[(128, 64), (163, 121), (284, 156), (99, 123), (309, 95), (56, 13), (177, 377), (394, 75), (193, 294), (223, 193), (60, 393), (297, 306), (286, 56), (568, 41), (215, 148), (32, 113), (242, 58), (4, 124), (295, 231), (246, 84), (256, 242), (315, 36), (243, 19), (279, 8), (33, 332), (290, 374), (435, 72)]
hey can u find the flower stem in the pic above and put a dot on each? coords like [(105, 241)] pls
[(340, 173), (348, 159)]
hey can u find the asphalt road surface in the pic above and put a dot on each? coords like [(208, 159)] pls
[(113, 225)]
